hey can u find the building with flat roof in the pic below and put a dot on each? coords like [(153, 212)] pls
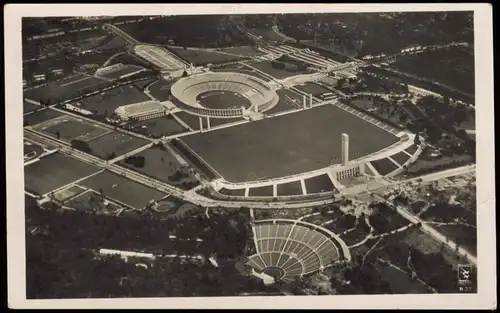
[(141, 111)]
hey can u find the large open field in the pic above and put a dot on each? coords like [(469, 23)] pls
[(53, 172), (66, 88), (312, 88), (115, 142), (107, 102), (242, 70), (122, 189), (162, 165), (203, 57), (29, 107), (266, 67), (70, 128), (287, 144), (223, 100), (158, 126), (40, 116)]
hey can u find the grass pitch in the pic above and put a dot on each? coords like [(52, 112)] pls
[(287, 144)]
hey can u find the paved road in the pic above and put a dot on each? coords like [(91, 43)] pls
[(115, 30), (429, 230), (199, 199)]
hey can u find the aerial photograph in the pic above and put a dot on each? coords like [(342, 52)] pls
[(240, 155)]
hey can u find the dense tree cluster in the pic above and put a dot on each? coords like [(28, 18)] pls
[(61, 263), (452, 66), (53, 272), (374, 33), (136, 160), (384, 219), (81, 145), (205, 31)]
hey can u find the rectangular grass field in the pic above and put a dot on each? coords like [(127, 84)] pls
[(70, 128), (158, 126), (122, 189), (312, 88), (55, 171), (289, 189), (287, 144), (202, 57), (108, 101), (30, 107), (40, 116), (159, 164), (66, 88), (266, 67), (232, 192), (116, 142)]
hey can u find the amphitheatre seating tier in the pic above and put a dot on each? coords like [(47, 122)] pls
[(294, 248)]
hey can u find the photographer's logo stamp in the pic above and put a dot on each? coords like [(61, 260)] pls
[(466, 278)]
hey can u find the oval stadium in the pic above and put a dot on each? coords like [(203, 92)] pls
[(243, 92), (289, 249)]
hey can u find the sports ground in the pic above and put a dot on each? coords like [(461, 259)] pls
[(55, 171), (66, 88), (70, 128), (40, 116), (122, 189), (312, 88), (203, 57), (116, 142), (223, 100), (159, 164), (287, 144), (107, 102), (158, 126), (266, 67)]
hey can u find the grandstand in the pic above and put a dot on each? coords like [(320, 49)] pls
[(119, 71), (141, 111), (186, 91), (328, 96), (329, 81), (288, 249)]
